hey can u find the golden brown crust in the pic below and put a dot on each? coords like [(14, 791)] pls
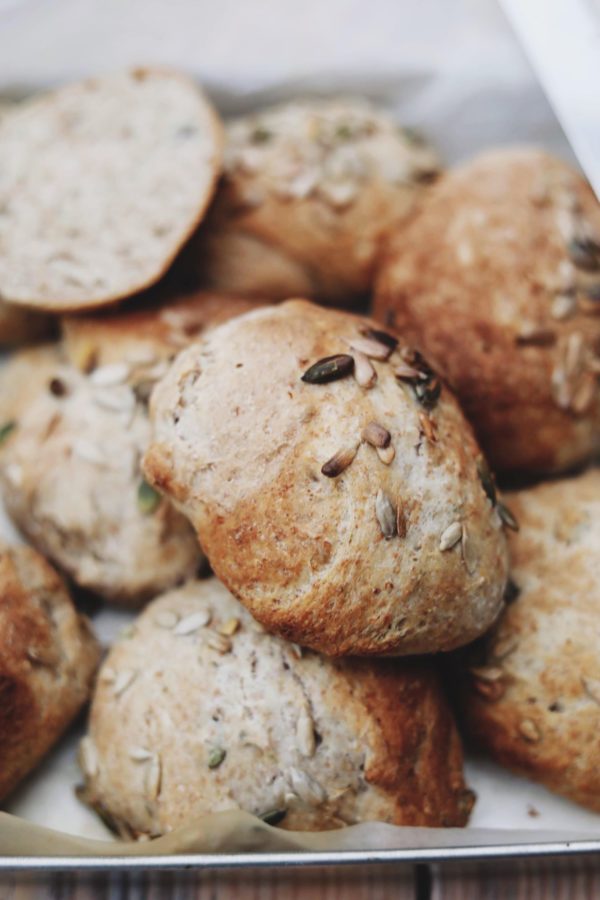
[(240, 441), (482, 282), (48, 658), (531, 695), (22, 326), (258, 725)]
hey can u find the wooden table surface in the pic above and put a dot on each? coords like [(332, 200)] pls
[(511, 880)]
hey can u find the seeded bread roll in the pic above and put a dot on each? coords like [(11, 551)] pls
[(201, 711), (311, 190), (70, 474), (101, 184), (339, 499), (48, 658), (498, 281), (533, 694), (21, 326), (148, 336)]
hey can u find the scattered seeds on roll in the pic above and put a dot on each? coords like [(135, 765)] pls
[(268, 437), (497, 280), (101, 183), (532, 689), (48, 659), (200, 710), (312, 189)]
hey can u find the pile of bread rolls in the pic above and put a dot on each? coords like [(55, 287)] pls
[(293, 355)]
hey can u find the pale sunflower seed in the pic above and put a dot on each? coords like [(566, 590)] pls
[(89, 452), (153, 778), (110, 375), (219, 642), (371, 349), (192, 623), (140, 754), (115, 401), (504, 647), (364, 371), (563, 306), (487, 673), (386, 514), (574, 353), (406, 372), (529, 730), (306, 787), (88, 757), (376, 435), (305, 734), (386, 454), (451, 536), (584, 394), (339, 462)]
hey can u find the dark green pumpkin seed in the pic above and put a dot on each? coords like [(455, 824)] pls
[(6, 430), (331, 368)]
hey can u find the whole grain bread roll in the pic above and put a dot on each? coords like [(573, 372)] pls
[(101, 184), (199, 710), (71, 481), (334, 484), (497, 280), (48, 658), (311, 190), (531, 696)]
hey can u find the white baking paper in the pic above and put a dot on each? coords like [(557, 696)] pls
[(449, 67)]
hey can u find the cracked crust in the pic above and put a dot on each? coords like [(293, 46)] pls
[(483, 283), (48, 658), (239, 444), (123, 167), (262, 727), (532, 696), (310, 192)]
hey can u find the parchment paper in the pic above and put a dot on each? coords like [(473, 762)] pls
[(451, 68)]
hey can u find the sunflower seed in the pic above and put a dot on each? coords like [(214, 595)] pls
[(122, 681), (110, 375), (592, 688), (296, 650), (216, 755), (574, 353), (561, 389), (585, 253), (166, 618), (338, 462), (6, 430), (122, 400), (406, 372), (219, 642), (563, 306), (305, 734), (376, 435), (153, 778), (364, 372), (487, 480), (451, 536), (428, 428), (372, 349), (382, 337), (192, 623), (504, 647), (487, 673), (584, 393), (307, 788), (330, 368), (140, 754), (229, 627), (468, 551), (273, 816), (428, 392), (506, 516), (88, 757), (386, 514), (147, 498), (529, 730), (386, 454), (489, 690)]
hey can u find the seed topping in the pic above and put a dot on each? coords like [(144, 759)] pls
[(487, 480), (364, 371), (152, 781), (371, 348), (330, 368), (216, 755), (506, 516), (147, 498), (530, 731), (376, 435), (382, 337), (229, 627), (386, 454), (192, 623), (339, 462), (386, 514), (451, 536)]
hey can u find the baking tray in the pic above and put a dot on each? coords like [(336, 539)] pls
[(454, 70)]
